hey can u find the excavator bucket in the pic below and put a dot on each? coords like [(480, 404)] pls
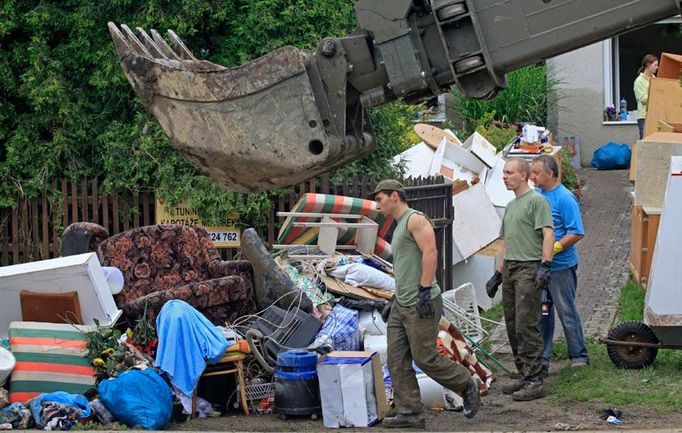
[(266, 124)]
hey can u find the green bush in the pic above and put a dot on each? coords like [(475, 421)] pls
[(524, 100)]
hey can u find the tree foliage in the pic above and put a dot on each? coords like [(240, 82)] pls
[(67, 110)]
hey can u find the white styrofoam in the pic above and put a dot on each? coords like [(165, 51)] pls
[(417, 160), (662, 296), (463, 163), (494, 185), (81, 273), (476, 270), (482, 148), (7, 363), (476, 222)]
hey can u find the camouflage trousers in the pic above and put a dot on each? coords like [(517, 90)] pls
[(411, 338), (522, 312)]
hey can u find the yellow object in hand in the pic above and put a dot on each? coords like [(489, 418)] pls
[(558, 247)]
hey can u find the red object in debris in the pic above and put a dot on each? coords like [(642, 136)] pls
[(266, 405)]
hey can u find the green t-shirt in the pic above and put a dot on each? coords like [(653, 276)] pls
[(522, 225), (407, 263)]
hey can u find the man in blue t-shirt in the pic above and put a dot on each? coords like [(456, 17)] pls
[(568, 229)]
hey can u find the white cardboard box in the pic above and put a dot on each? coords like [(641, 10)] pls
[(81, 273), (351, 389)]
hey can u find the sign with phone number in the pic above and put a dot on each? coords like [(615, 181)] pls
[(223, 236)]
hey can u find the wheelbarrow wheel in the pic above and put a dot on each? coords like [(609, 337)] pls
[(632, 357)]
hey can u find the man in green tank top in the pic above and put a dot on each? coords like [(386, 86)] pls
[(413, 315), (524, 271)]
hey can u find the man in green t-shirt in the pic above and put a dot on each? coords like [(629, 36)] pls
[(413, 315), (524, 271)]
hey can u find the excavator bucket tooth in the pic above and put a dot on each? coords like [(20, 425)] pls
[(263, 125)]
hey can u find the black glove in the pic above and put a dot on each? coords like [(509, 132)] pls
[(386, 311), (424, 304), (544, 275), (493, 284)]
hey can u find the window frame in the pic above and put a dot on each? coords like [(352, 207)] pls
[(611, 64)]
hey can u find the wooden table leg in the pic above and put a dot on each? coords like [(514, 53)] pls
[(242, 386)]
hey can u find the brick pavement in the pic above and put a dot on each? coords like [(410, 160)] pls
[(604, 251)]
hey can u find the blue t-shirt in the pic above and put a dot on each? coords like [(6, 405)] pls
[(567, 219)]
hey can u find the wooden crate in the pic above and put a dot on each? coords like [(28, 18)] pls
[(643, 240)]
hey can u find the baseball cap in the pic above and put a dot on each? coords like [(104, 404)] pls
[(387, 185)]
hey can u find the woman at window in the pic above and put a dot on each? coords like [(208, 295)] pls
[(648, 69)]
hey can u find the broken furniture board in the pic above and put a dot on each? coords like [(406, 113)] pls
[(476, 223), (339, 287), (499, 195), (417, 160), (653, 163), (663, 302), (457, 163), (670, 66), (81, 273), (477, 270), (433, 135), (479, 146), (665, 103)]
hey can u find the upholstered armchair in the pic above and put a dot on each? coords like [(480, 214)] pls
[(164, 262)]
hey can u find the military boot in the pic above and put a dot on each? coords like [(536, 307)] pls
[(513, 387), (531, 390), (404, 420)]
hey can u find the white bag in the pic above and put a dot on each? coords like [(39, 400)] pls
[(359, 274)]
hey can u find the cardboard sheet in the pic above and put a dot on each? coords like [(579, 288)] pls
[(339, 287), (476, 222)]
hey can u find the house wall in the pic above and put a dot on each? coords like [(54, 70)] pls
[(581, 102)]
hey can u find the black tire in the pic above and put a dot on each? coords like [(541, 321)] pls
[(632, 357)]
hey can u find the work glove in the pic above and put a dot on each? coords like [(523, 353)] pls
[(424, 304), (493, 284), (558, 247), (386, 311), (544, 275)]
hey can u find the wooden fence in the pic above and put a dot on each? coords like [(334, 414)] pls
[(32, 230)]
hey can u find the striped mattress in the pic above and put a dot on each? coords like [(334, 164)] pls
[(326, 203), (49, 357)]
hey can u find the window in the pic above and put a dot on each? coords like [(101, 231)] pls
[(623, 56)]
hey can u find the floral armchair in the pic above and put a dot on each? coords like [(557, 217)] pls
[(164, 262)]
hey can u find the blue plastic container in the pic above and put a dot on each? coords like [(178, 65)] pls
[(297, 388)]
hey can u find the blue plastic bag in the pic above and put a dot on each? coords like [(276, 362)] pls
[(77, 402), (612, 156), (138, 398)]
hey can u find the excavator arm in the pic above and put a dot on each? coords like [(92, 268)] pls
[(293, 114)]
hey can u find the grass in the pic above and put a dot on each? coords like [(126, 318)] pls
[(657, 387)]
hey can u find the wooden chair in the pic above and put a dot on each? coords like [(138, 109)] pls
[(231, 363)]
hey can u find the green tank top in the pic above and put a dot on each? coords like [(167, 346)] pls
[(407, 263)]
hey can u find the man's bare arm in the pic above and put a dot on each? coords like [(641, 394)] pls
[(569, 240), (422, 231), (547, 244)]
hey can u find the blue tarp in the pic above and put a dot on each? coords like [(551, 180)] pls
[(186, 341)]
